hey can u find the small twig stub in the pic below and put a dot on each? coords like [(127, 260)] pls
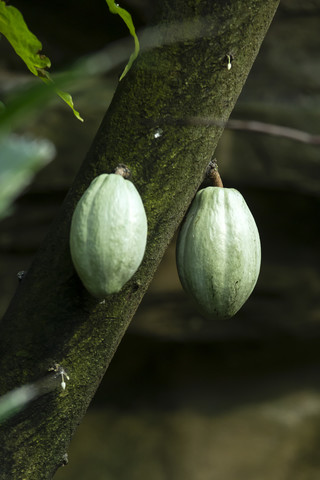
[(213, 174), (122, 170)]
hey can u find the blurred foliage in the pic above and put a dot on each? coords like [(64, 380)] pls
[(21, 158), (13, 402)]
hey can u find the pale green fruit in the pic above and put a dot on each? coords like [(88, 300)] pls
[(219, 252), (108, 234)]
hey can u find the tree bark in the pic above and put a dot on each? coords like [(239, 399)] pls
[(148, 127)]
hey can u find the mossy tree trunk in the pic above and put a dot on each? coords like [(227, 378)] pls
[(152, 127)]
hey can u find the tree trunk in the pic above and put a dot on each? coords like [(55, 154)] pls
[(152, 127)]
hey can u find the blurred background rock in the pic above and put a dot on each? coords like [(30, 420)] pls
[(185, 398)]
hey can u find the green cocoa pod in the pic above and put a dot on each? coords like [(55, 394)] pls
[(218, 252), (108, 234)]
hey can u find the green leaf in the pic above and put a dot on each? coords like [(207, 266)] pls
[(66, 97), (28, 47), (126, 17), (20, 159), (25, 44)]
